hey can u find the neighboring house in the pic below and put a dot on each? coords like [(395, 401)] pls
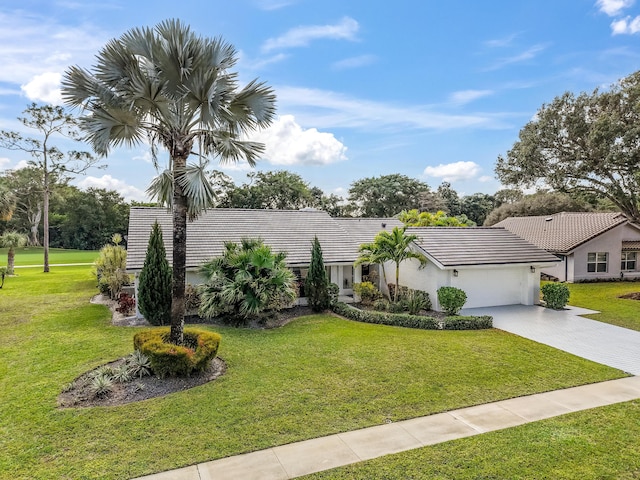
[(290, 231), (591, 246), (492, 265)]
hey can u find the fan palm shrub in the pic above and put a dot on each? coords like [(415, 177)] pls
[(248, 282)]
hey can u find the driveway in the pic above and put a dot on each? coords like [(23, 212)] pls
[(565, 330)]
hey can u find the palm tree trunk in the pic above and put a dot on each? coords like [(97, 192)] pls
[(179, 254), (395, 294), (11, 260), (384, 277)]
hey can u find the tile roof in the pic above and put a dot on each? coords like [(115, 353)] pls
[(629, 246), (464, 246), (291, 231), (364, 230), (562, 232)]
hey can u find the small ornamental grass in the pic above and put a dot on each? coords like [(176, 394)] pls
[(200, 347)]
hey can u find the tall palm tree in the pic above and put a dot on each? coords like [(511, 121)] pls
[(175, 88), (12, 240), (394, 246)]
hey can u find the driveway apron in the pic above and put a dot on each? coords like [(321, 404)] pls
[(565, 330)]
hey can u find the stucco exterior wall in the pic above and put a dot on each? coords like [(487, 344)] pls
[(559, 270), (485, 286), (609, 242)]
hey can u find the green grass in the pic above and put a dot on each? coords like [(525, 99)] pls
[(603, 297), (601, 443), (316, 376), (35, 256)]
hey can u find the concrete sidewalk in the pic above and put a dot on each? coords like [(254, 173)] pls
[(301, 458)]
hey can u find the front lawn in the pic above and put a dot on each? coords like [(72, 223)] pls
[(600, 443), (35, 256), (604, 297), (316, 376)]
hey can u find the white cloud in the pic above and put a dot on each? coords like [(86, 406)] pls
[(528, 54), (145, 157), (4, 163), (287, 143), (346, 29), (451, 172), (44, 88), (329, 110), (626, 26), (274, 4), (485, 179), (129, 192), (20, 165), (241, 166), (613, 7), (31, 44), (246, 63), (463, 97), (354, 62), (501, 42)]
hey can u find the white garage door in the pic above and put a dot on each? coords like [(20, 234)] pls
[(488, 288)]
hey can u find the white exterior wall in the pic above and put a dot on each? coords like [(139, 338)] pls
[(611, 243), (485, 286), (559, 270)]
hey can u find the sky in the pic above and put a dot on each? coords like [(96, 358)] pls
[(435, 90)]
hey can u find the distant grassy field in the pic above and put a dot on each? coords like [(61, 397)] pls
[(316, 376), (604, 297), (35, 256)]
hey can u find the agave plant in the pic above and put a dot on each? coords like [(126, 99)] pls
[(138, 364)]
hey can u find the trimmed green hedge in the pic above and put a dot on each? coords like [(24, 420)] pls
[(555, 295), (200, 347), (413, 321)]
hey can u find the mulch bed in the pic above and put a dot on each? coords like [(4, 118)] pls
[(80, 395), (631, 296)]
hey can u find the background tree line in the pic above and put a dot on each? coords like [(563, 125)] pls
[(87, 219), (78, 219)]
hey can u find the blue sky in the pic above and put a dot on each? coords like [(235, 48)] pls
[(432, 90)]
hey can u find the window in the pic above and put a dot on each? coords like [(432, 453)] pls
[(597, 262), (628, 261)]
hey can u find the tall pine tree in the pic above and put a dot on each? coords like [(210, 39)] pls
[(317, 283), (154, 286)]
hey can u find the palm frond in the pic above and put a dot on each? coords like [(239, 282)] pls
[(161, 189), (195, 184)]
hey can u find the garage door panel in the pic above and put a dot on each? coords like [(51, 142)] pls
[(486, 288)]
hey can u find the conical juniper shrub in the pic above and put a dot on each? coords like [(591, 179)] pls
[(154, 285), (317, 283), (168, 359)]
